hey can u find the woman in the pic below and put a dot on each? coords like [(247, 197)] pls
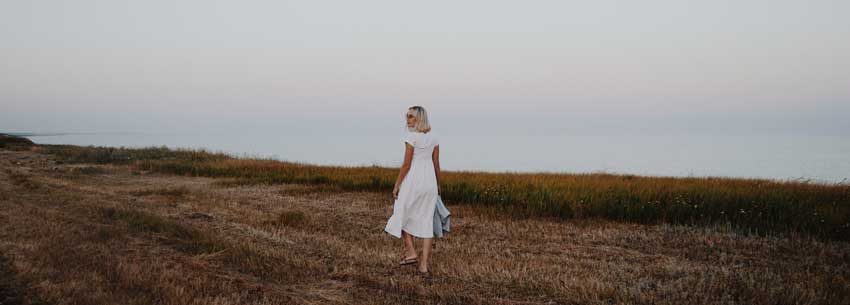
[(416, 190)]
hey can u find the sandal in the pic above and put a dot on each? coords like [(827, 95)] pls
[(426, 275), (408, 261)]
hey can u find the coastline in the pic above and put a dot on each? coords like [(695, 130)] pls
[(761, 206)]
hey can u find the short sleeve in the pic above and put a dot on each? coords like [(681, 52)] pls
[(436, 141), (409, 137)]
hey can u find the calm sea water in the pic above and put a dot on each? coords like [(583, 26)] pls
[(824, 159)]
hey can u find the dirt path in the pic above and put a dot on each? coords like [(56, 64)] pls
[(96, 234)]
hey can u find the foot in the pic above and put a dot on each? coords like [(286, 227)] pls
[(408, 260), (424, 272), (424, 269)]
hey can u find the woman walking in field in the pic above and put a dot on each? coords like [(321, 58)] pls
[(417, 190)]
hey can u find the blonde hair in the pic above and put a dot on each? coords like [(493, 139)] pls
[(421, 115)]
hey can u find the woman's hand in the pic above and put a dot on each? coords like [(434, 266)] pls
[(395, 192)]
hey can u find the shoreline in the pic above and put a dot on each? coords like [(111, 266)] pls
[(236, 154)]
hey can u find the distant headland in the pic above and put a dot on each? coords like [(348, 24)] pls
[(14, 141)]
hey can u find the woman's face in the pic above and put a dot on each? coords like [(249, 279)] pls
[(411, 119)]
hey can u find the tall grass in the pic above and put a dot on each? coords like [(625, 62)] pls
[(122, 155), (757, 205)]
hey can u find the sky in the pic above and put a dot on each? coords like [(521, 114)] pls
[(524, 67)]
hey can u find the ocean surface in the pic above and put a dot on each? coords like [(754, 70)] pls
[(821, 159)]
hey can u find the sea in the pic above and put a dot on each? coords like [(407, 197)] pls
[(812, 158)]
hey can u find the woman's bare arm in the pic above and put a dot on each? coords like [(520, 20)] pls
[(405, 167), (435, 156)]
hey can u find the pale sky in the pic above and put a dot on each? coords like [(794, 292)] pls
[(112, 65)]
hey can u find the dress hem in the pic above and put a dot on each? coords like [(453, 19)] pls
[(414, 235)]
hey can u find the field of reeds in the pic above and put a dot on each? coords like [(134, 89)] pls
[(750, 205)]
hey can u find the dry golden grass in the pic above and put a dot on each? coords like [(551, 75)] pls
[(118, 235), (758, 205)]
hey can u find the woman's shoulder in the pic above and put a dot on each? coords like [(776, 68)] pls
[(421, 135), (412, 134), (411, 137), (433, 137)]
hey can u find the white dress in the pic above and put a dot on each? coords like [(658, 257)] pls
[(413, 210)]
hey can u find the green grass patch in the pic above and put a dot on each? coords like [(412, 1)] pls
[(309, 189), (87, 170), (289, 219), (179, 192), (122, 155), (183, 239)]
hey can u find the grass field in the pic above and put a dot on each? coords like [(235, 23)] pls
[(89, 225), (761, 206)]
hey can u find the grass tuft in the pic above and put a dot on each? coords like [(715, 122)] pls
[(289, 219), (182, 238), (21, 179)]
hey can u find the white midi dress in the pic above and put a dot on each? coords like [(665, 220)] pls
[(413, 210)]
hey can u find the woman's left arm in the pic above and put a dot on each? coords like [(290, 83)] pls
[(435, 156)]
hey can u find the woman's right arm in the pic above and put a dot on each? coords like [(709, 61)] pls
[(405, 167)]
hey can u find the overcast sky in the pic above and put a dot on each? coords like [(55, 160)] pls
[(112, 65)]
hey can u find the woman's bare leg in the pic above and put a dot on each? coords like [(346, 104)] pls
[(426, 254), (410, 251)]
